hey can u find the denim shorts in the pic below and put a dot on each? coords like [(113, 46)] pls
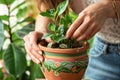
[(104, 61)]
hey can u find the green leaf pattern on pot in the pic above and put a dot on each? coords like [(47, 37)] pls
[(66, 67)]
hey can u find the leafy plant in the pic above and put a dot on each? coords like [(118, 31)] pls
[(61, 20), (14, 54), (1, 34)]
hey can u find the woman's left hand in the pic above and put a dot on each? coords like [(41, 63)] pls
[(90, 21)]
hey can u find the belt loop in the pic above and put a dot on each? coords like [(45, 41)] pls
[(105, 48), (119, 49)]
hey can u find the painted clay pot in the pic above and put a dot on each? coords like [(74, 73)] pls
[(64, 64)]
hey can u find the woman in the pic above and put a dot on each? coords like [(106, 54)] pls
[(100, 18)]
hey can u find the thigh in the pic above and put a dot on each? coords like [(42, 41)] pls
[(104, 64)]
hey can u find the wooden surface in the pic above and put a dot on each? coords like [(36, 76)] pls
[(40, 79)]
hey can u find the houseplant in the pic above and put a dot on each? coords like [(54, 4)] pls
[(64, 59)]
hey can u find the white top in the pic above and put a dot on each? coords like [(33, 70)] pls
[(109, 32)]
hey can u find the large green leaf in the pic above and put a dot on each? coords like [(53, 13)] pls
[(17, 40), (17, 6), (14, 60), (4, 17), (10, 78), (35, 71), (1, 53), (25, 30), (1, 34), (62, 7), (1, 75), (27, 19), (7, 2)]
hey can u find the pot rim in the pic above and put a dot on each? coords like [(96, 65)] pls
[(65, 51)]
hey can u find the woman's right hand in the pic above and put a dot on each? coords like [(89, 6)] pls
[(32, 48)]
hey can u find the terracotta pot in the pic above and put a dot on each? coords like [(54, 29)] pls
[(64, 64)]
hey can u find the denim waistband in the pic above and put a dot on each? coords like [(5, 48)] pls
[(110, 46), (104, 42)]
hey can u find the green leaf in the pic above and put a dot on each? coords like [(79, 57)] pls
[(57, 38), (17, 40), (35, 71), (4, 17), (62, 30), (10, 78), (47, 35), (62, 7), (21, 12), (28, 19), (68, 19), (63, 46), (1, 34), (14, 60), (7, 2), (1, 75), (1, 53), (25, 30), (52, 27), (17, 6), (6, 27), (72, 16), (49, 13)]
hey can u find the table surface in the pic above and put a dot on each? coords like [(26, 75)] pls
[(40, 79)]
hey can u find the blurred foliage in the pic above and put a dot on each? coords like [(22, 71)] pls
[(16, 66)]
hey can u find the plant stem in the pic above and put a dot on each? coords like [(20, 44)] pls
[(9, 26)]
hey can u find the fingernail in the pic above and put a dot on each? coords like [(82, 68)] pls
[(37, 61), (40, 59), (66, 36), (40, 52)]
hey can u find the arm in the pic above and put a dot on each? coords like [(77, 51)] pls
[(41, 24), (31, 39), (76, 6), (91, 20)]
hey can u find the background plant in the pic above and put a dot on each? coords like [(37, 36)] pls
[(17, 67)]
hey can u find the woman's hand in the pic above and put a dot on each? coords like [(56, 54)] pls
[(90, 21), (32, 48)]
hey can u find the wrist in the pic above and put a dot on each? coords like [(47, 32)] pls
[(108, 8), (40, 31)]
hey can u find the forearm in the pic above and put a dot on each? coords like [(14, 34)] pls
[(76, 6), (41, 24), (110, 9)]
